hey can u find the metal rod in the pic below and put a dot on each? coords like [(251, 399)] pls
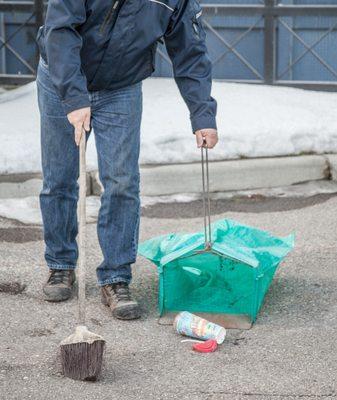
[(269, 44), (276, 9), (203, 193), (219, 9), (206, 198), (16, 6), (15, 79), (3, 50), (39, 17)]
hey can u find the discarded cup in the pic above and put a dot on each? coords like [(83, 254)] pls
[(189, 324)]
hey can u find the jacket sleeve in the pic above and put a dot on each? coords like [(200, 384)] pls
[(63, 45), (192, 68)]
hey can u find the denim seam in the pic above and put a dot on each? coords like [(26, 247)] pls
[(61, 266), (43, 64), (113, 280), (134, 247)]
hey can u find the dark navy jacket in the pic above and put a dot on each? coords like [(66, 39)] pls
[(108, 44)]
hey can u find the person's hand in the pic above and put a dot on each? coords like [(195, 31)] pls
[(80, 120), (206, 137)]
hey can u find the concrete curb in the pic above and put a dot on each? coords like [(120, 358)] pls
[(234, 175), (25, 185), (225, 176)]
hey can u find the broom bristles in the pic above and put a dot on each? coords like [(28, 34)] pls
[(82, 361), (82, 355)]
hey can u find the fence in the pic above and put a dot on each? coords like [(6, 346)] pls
[(19, 21), (265, 41)]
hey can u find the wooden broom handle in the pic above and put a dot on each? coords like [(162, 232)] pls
[(81, 232)]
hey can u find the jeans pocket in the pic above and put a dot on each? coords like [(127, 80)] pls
[(43, 64), (43, 78)]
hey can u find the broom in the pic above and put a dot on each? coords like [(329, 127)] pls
[(82, 352)]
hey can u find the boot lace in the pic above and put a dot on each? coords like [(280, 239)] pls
[(121, 291), (58, 276)]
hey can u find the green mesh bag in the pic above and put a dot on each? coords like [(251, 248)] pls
[(231, 277)]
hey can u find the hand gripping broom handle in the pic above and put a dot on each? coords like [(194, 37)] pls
[(81, 237), (206, 197)]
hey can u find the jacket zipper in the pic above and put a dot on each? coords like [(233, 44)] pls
[(195, 26), (196, 23), (109, 16)]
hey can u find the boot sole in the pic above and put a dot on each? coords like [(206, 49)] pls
[(124, 312), (56, 296)]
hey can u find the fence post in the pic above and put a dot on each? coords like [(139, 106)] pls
[(269, 42), (39, 14)]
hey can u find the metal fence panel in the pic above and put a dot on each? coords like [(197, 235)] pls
[(290, 42), (19, 21)]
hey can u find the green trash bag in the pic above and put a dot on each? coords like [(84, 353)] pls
[(230, 278)]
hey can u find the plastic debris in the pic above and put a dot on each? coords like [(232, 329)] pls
[(206, 347)]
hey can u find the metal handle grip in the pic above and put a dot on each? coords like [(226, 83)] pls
[(206, 197)]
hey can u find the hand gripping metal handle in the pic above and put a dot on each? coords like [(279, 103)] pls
[(206, 197)]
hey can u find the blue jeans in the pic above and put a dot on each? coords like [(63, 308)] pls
[(116, 117)]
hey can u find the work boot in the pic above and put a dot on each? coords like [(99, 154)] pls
[(60, 284), (118, 297)]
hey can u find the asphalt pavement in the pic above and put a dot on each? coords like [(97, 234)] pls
[(290, 353)]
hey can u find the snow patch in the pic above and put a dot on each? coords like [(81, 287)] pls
[(27, 209), (253, 121)]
